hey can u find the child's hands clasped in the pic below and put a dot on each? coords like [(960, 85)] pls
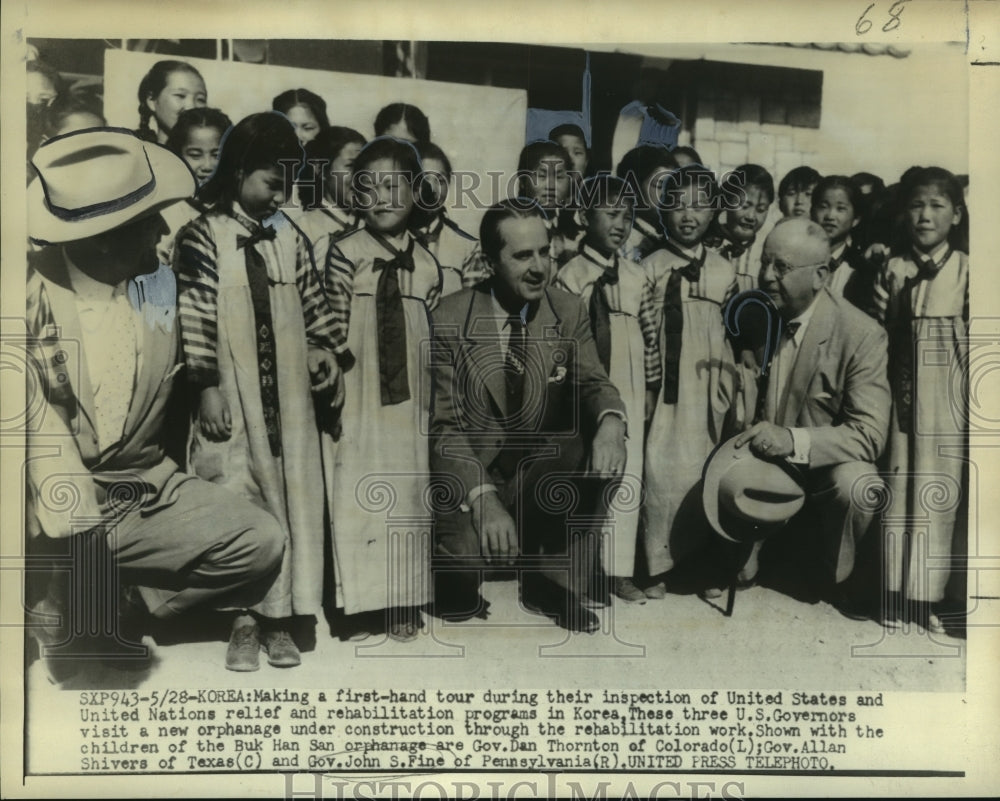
[(326, 374), (216, 421)]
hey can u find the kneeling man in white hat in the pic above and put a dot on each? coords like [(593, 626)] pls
[(103, 336)]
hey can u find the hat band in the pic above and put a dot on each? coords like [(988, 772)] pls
[(105, 206)]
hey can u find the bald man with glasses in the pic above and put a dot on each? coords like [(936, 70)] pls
[(824, 404)]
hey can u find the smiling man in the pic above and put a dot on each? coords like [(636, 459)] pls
[(521, 402), (825, 407)]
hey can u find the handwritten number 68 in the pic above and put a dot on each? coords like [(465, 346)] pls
[(863, 25)]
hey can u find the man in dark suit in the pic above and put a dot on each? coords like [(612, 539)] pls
[(825, 405), (101, 317), (520, 403)]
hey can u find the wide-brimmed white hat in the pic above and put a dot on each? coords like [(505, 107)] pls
[(95, 180), (748, 498)]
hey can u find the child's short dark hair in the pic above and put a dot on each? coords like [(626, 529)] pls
[(690, 152), (946, 183), (411, 116), (870, 179), (196, 118), (533, 154), (746, 176), (844, 183), (693, 175), (260, 141), (291, 98), (328, 143), (642, 161), (798, 179), (404, 154), (567, 129), (602, 191), (428, 150), (320, 153)]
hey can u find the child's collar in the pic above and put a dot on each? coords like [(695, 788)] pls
[(400, 241), (594, 255), (934, 255), (240, 215)]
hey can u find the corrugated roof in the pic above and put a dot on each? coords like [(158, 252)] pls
[(868, 48)]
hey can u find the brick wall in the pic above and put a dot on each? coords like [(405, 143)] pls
[(771, 122)]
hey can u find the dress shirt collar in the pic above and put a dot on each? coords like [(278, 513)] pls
[(803, 321), (502, 312)]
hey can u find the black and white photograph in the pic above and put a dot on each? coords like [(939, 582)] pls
[(568, 402)]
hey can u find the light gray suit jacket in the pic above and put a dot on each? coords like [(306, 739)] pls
[(839, 387)]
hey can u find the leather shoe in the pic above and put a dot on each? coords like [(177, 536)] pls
[(281, 648), (243, 654), (626, 590), (570, 615), (850, 605)]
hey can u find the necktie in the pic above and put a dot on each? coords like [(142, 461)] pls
[(432, 233), (511, 453), (600, 313), (788, 331), (733, 250), (117, 383), (901, 351), (392, 347), (514, 367), (673, 320), (267, 358)]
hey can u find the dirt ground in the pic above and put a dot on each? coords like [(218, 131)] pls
[(683, 641)]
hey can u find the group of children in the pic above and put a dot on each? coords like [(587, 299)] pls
[(303, 336)]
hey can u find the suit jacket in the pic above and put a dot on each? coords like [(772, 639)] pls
[(566, 389), (63, 449), (838, 388)]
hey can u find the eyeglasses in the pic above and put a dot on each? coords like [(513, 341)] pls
[(781, 269)]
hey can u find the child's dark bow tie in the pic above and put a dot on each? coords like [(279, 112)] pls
[(259, 235)]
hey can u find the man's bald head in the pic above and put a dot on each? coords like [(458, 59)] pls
[(808, 238), (794, 265)]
